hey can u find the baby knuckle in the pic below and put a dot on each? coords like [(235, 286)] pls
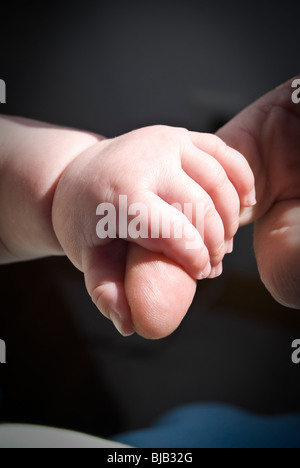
[(221, 147)]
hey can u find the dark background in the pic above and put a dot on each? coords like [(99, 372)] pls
[(110, 67)]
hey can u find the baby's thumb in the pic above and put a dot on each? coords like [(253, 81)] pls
[(158, 291), (104, 271)]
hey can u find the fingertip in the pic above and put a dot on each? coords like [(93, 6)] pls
[(159, 293), (246, 179), (230, 245), (216, 271), (250, 199), (110, 299), (173, 232), (205, 273), (246, 215), (122, 323)]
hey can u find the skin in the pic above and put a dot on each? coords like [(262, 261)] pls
[(267, 133), (52, 179), (128, 280)]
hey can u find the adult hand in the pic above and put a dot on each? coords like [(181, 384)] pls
[(267, 133)]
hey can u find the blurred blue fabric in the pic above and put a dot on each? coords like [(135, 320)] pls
[(217, 426)]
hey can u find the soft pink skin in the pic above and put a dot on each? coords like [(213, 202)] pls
[(159, 165), (156, 311), (52, 179), (124, 276), (268, 134)]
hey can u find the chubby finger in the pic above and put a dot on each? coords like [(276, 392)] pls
[(200, 209), (210, 175), (162, 228), (159, 292), (104, 271), (235, 165)]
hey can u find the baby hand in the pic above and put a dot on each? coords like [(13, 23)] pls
[(155, 168)]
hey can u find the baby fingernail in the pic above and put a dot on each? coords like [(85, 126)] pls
[(251, 199), (120, 324), (230, 246), (216, 271), (206, 272)]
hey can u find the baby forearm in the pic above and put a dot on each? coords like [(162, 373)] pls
[(33, 155)]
